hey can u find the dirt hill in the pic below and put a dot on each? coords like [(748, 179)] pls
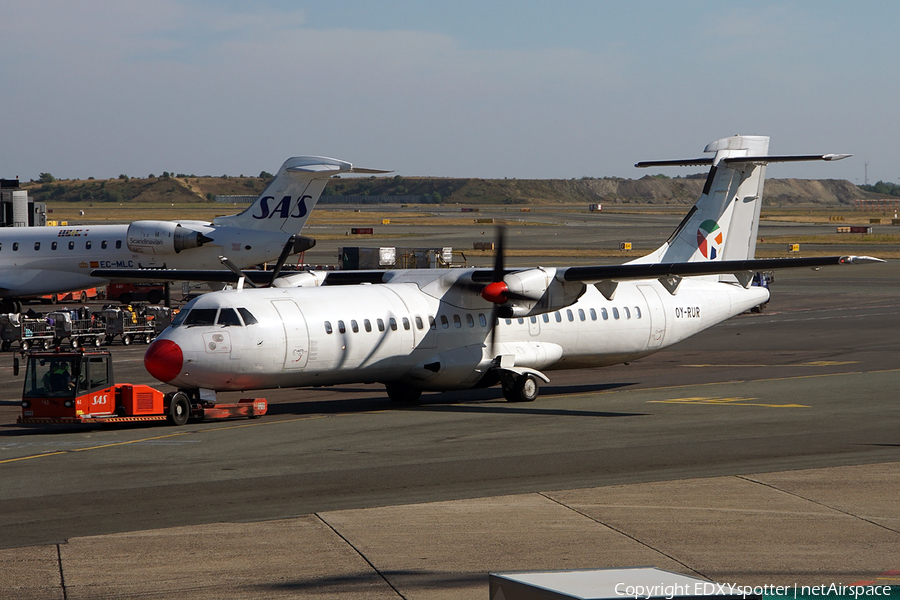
[(612, 190), (151, 189)]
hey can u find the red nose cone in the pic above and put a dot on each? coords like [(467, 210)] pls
[(495, 292), (163, 360)]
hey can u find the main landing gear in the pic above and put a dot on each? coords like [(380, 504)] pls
[(402, 394), (519, 385), (521, 388)]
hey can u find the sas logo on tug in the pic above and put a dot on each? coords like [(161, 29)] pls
[(709, 239)]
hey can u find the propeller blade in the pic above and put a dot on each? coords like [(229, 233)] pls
[(282, 258), (496, 290), (498, 258), (236, 270)]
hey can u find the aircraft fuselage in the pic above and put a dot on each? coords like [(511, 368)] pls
[(46, 260), (399, 333)]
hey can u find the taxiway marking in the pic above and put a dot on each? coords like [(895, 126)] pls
[(725, 401)]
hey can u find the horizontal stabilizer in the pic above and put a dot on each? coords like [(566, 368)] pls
[(687, 162), (326, 168), (787, 158)]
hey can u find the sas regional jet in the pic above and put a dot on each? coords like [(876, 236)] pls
[(35, 261)]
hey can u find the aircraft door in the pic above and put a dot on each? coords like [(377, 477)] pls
[(657, 315), (296, 335)]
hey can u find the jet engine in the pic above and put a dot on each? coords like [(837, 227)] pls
[(532, 292), (162, 237)]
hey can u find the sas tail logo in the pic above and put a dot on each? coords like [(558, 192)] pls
[(282, 210), (709, 239)]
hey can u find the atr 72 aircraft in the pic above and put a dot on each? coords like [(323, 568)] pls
[(416, 330), (46, 260)]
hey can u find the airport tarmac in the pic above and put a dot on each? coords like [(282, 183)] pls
[(764, 450), (542, 229)]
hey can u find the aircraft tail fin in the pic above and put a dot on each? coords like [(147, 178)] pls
[(723, 224), (287, 202)]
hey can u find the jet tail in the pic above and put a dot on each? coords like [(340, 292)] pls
[(286, 203), (723, 224)]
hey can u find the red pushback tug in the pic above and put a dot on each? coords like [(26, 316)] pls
[(78, 387)]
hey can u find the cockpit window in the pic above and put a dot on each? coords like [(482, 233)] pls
[(201, 316), (249, 319), (180, 317), (183, 313), (229, 318)]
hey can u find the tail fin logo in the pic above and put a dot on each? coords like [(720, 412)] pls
[(710, 239), (282, 209)]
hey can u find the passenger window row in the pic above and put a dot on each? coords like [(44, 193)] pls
[(457, 320), (570, 315), (420, 324), (88, 244), (367, 325)]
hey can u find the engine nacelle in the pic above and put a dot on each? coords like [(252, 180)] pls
[(537, 291), (162, 237)]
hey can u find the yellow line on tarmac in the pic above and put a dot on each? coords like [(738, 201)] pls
[(709, 383), (725, 401), (158, 437), (815, 363), (9, 460)]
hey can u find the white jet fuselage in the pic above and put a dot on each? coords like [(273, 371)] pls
[(396, 332), (46, 260)]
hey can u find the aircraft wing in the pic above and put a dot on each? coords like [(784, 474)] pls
[(210, 275), (227, 276), (687, 269), (588, 274)]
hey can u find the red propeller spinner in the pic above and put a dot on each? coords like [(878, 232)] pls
[(495, 292)]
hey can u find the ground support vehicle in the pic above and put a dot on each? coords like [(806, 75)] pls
[(81, 296), (28, 333), (762, 279), (80, 329), (126, 293), (77, 386)]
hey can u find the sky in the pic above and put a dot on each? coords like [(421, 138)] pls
[(493, 89)]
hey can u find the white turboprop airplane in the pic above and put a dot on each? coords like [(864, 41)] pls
[(416, 330), (35, 261)]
